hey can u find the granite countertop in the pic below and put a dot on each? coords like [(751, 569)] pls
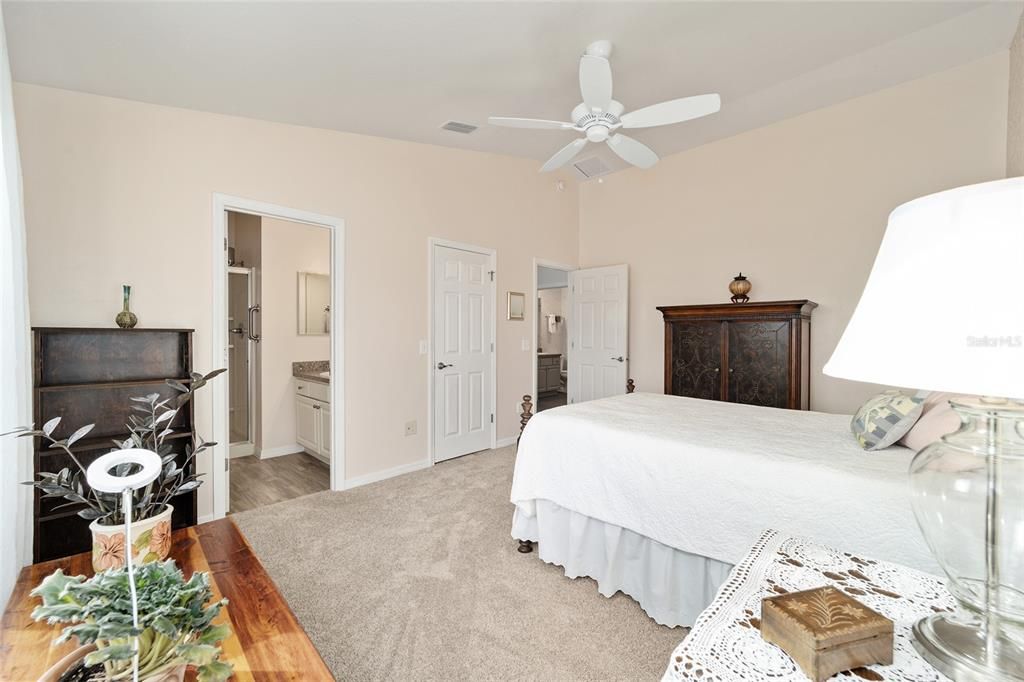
[(310, 370)]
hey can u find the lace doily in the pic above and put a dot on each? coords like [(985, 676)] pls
[(725, 644)]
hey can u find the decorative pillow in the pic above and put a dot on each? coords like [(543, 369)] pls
[(886, 418), (937, 419)]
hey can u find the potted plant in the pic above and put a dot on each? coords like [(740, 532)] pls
[(175, 630), (149, 427)]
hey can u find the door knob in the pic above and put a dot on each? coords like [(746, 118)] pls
[(618, 359), (441, 365)]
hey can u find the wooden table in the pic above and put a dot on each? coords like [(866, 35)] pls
[(267, 643)]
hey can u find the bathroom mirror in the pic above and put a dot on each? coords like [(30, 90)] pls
[(314, 304), (516, 305)]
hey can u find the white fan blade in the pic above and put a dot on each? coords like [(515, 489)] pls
[(632, 151), (673, 111), (596, 82), (564, 155), (528, 123)]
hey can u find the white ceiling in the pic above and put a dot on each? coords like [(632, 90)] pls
[(400, 70)]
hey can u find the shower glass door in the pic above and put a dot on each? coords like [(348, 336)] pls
[(241, 352)]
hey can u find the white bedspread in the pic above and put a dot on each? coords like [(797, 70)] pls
[(707, 477)]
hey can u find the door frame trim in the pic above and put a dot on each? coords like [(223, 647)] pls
[(534, 291), (221, 204), (492, 255)]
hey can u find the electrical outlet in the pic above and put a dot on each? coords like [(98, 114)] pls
[(410, 428)]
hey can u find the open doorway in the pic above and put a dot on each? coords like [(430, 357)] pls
[(580, 333), (280, 323), (552, 337), (551, 330), (279, 349)]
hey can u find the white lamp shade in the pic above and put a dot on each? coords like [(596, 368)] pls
[(943, 309)]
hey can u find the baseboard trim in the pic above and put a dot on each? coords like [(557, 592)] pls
[(505, 442), (205, 518), (386, 474), (266, 453)]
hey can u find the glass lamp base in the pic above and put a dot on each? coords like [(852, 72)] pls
[(958, 651)]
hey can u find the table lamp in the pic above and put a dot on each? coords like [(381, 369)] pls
[(942, 311)]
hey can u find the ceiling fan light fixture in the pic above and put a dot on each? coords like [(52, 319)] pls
[(599, 117)]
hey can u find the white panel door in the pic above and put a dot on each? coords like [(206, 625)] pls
[(598, 328), (463, 310)]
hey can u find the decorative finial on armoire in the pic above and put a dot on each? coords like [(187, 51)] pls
[(739, 287)]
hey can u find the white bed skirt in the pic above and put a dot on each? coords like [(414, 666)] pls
[(670, 585)]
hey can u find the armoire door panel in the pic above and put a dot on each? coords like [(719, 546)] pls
[(697, 350), (759, 362)]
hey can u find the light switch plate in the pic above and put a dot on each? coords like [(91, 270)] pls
[(526, 344), (410, 428), (423, 347)]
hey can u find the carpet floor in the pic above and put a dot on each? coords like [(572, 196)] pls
[(417, 577)]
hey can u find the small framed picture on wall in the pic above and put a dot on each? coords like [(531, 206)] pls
[(516, 305)]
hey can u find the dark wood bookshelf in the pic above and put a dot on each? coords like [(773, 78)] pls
[(86, 375)]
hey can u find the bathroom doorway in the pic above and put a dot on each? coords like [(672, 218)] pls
[(279, 349), (551, 334), (281, 309)]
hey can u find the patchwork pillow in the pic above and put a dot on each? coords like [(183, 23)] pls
[(886, 418)]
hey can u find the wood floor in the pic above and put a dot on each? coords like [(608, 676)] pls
[(546, 402), (258, 482)]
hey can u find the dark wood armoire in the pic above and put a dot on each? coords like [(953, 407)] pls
[(86, 376), (751, 353)]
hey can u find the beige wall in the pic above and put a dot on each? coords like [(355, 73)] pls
[(1015, 115), (120, 192), (288, 248), (800, 206)]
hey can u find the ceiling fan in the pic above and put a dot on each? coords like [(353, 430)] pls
[(599, 117)]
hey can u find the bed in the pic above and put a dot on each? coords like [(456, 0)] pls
[(658, 496)]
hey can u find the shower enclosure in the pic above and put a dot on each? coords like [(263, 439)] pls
[(243, 311)]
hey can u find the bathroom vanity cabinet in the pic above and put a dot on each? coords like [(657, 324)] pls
[(549, 372), (313, 417)]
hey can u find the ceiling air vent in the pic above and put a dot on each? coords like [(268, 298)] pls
[(459, 127), (592, 167)]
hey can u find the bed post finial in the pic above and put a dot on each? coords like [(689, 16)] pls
[(525, 415), (630, 386)]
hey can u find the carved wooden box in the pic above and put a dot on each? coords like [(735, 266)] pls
[(826, 631)]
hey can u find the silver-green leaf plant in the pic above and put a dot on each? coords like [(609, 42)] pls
[(149, 426), (175, 620)]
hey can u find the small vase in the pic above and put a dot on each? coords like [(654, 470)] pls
[(739, 287), (126, 319), (151, 541)]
